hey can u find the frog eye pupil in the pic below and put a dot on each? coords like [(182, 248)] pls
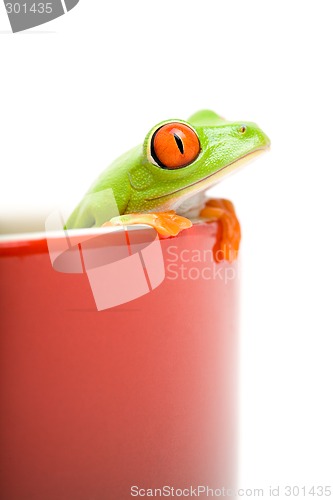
[(174, 145), (179, 143), (242, 129)]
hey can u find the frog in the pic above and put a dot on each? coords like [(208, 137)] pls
[(162, 182)]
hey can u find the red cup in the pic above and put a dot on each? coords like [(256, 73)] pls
[(105, 404)]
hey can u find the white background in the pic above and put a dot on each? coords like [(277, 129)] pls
[(81, 90)]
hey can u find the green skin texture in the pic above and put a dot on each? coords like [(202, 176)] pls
[(134, 184)]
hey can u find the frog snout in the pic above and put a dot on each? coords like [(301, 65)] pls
[(252, 132)]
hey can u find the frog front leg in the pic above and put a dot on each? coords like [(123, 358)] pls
[(229, 234), (165, 223)]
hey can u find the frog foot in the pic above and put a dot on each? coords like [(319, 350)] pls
[(229, 233), (165, 223)]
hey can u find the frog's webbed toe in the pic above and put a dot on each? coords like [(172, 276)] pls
[(229, 234), (165, 223)]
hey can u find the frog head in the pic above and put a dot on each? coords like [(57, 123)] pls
[(181, 158)]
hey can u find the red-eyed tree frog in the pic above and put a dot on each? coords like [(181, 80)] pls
[(162, 182)]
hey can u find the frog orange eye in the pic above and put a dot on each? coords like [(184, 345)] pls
[(174, 145)]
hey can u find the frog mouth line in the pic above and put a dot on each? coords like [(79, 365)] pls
[(228, 168)]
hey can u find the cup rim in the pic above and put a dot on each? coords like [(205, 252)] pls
[(41, 235)]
